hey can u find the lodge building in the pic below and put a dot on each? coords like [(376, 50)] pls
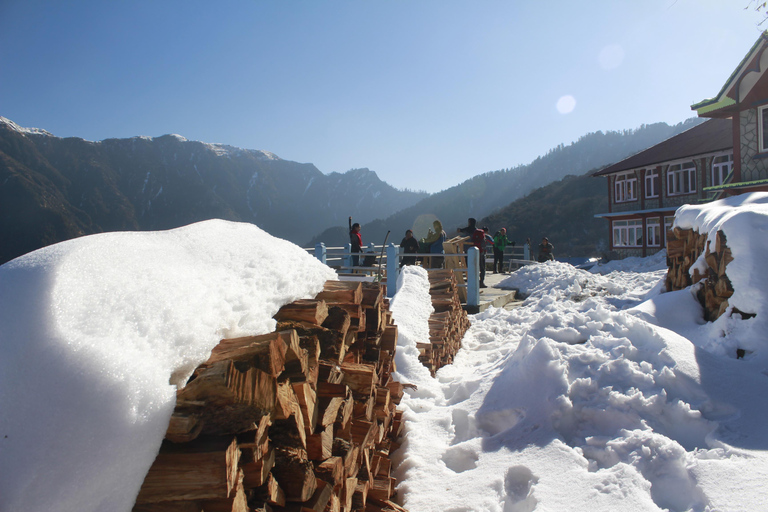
[(725, 155)]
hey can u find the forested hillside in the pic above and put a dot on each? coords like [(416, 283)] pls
[(492, 191), (564, 212)]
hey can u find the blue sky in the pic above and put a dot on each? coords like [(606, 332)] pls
[(427, 93)]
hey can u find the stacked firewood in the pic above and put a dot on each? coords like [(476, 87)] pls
[(683, 248), (447, 324), (302, 419)]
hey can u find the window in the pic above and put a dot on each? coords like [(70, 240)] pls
[(652, 183), (653, 232), (762, 125), (721, 168), (628, 233), (668, 221), (681, 179), (625, 187)]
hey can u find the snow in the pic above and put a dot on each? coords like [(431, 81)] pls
[(96, 332), (21, 129), (599, 393)]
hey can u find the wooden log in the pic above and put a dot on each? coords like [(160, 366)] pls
[(348, 492), (295, 474), (184, 427), (381, 488), (389, 338), (254, 443), (361, 494), (373, 294), (330, 410), (342, 291), (338, 320), (207, 468), (320, 498), (237, 503), (234, 396), (256, 472), (320, 444), (266, 352), (270, 492), (331, 470), (307, 399), (304, 310), (359, 377)]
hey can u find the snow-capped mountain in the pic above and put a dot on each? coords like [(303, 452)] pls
[(53, 189)]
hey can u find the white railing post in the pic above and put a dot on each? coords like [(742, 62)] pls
[(348, 258), (320, 252), (527, 252), (393, 268), (473, 276)]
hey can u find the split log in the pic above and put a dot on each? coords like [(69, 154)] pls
[(312, 311), (204, 469)]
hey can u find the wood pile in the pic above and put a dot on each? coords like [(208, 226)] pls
[(302, 419), (447, 324), (459, 263), (683, 248)]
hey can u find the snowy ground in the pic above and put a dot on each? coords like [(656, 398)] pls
[(598, 394), (95, 331)]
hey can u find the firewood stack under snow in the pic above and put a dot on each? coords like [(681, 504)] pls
[(684, 246), (301, 419), (447, 324)]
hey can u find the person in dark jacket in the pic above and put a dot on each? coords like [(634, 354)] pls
[(546, 251), (470, 227), (410, 246), (356, 239)]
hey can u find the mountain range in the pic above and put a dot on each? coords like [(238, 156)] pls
[(53, 189)]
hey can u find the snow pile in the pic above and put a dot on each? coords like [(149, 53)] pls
[(657, 261), (576, 401), (744, 220), (94, 334)]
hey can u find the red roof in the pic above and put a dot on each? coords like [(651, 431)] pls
[(708, 137)]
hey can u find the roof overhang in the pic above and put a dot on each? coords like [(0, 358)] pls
[(610, 215), (738, 85)]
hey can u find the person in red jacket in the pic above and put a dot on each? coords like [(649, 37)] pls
[(356, 240)]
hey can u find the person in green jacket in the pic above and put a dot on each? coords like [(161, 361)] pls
[(500, 242)]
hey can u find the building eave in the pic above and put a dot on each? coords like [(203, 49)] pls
[(634, 212)]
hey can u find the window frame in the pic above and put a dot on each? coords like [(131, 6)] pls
[(653, 231), (622, 229), (625, 187), (684, 174), (762, 131), (719, 167), (654, 190)]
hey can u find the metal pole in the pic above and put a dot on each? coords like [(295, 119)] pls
[(348, 257), (393, 268), (473, 276), (320, 252)]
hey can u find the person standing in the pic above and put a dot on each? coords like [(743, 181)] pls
[(470, 227), (480, 240), (356, 240), (410, 246), (500, 242), (546, 251), (435, 240)]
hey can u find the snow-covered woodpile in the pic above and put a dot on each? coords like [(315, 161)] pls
[(447, 324), (301, 419), (683, 249)]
